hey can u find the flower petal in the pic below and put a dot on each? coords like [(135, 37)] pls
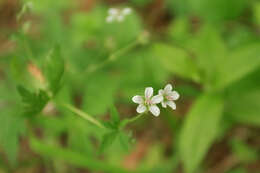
[(148, 92), (156, 99), (109, 19), (171, 104), (164, 105), (161, 92), (138, 99), (154, 110), (168, 88), (113, 11), (175, 95), (172, 96), (141, 108), (126, 11), (120, 18)]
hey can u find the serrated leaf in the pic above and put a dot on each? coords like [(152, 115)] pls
[(176, 60), (114, 115), (54, 69), (108, 140), (111, 125), (125, 140), (33, 103), (199, 130)]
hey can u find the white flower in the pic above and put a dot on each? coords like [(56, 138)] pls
[(148, 102), (169, 96), (115, 14)]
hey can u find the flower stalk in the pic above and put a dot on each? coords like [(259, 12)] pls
[(84, 115)]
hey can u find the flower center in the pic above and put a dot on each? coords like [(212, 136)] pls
[(169, 98), (148, 102)]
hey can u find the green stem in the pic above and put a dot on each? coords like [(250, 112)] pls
[(130, 120), (122, 51), (114, 56), (84, 115)]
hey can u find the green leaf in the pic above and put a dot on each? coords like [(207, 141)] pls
[(238, 170), (256, 12), (114, 122), (33, 103), (10, 128), (213, 11), (108, 140), (243, 151), (179, 31), (238, 64), (176, 60), (199, 130), (99, 93), (245, 107), (125, 140), (54, 69), (114, 114), (209, 51), (74, 158)]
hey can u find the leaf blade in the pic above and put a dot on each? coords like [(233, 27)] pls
[(199, 130)]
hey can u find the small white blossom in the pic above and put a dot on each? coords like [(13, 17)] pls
[(169, 96), (148, 102), (115, 14)]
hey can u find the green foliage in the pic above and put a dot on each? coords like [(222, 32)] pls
[(199, 130), (97, 96), (238, 64), (73, 157), (33, 103), (208, 50), (11, 126), (244, 152), (177, 60), (54, 69), (141, 2), (108, 140), (213, 11)]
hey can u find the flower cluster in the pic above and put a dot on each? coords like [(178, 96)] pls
[(115, 14), (148, 102)]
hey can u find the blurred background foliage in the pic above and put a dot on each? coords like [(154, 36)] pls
[(209, 51)]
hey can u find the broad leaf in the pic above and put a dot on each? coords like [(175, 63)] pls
[(209, 51), (245, 108), (176, 60), (238, 64), (199, 130)]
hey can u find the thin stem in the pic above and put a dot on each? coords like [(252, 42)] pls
[(113, 57), (123, 50), (130, 120), (84, 115), (135, 118)]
